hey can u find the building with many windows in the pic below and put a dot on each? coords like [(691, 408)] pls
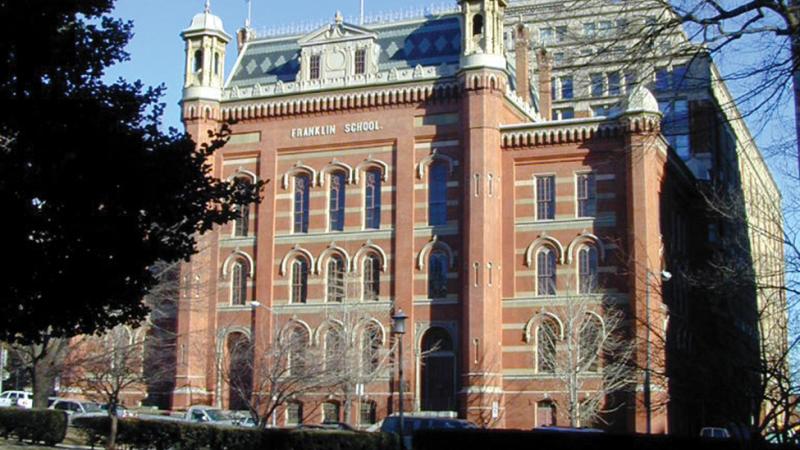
[(428, 165)]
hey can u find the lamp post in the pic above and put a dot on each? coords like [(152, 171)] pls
[(399, 329), (665, 276)]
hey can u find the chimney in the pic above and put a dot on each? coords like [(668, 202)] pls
[(522, 47), (545, 64), (243, 36)]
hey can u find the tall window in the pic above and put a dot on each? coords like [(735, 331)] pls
[(298, 351), (437, 194), (301, 197), (336, 203), (614, 83), (566, 87), (198, 60), (294, 413), (372, 277), (372, 199), (333, 349), (546, 340), (437, 274), (370, 350), (242, 225), (586, 193), (238, 283), (216, 63), (299, 281), (368, 412), (335, 279), (598, 88), (546, 272), (545, 198), (314, 69), (590, 339), (361, 61), (330, 412), (587, 270), (676, 126)]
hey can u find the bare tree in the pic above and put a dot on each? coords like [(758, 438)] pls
[(590, 352), (356, 351), (104, 368), (265, 375)]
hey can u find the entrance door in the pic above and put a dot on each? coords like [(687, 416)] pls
[(545, 414), (438, 371)]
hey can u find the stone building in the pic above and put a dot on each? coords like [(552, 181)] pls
[(417, 165)]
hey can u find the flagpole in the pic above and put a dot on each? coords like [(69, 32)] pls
[(362, 12)]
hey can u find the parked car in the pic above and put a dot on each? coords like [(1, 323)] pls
[(715, 433), (208, 414), (391, 424), (16, 399), (72, 407)]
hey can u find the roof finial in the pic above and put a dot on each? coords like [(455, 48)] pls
[(338, 18), (208, 6)]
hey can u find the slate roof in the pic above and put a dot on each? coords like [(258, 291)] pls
[(427, 42)]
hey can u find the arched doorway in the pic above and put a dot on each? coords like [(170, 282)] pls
[(437, 387), (240, 371)]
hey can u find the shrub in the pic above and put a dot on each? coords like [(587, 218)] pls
[(162, 435), (36, 425)]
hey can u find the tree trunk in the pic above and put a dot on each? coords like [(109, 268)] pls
[(347, 405), (46, 362), (112, 432)]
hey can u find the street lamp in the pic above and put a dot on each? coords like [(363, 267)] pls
[(399, 329), (665, 276)]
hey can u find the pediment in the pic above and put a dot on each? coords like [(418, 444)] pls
[(339, 31)]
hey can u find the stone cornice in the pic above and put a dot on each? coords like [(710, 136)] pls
[(577, 130), (339, 101)]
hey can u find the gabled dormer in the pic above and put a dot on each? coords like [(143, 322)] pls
[(338, 50)]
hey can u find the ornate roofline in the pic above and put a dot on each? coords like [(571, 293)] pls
[(577, 130)]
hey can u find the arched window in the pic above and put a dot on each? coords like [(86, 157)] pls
[(330, 412), (336, 203), (372, 199), (297, 351), (546, 341), (438, 371), (299, 281), (546, 271), (294, 413), (437, 194), (336, 279), (238, 283), (240, 371), (590, 340), (370, 349), (198, 60), (334, 348), (242, 224), (216, 63), (368, 412), (587, 270), (437, 274), (301, 197), (372, 277), (477, 25)]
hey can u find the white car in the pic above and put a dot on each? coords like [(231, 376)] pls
[(76, 407), (18, 399)]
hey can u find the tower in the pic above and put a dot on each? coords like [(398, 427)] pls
[(204, 79), (206, 41), (482, 36), (484, 79)]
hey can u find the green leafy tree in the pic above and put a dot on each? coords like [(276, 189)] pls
[(94, 193)]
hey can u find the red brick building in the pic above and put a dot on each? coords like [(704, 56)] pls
[(407, 171)]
